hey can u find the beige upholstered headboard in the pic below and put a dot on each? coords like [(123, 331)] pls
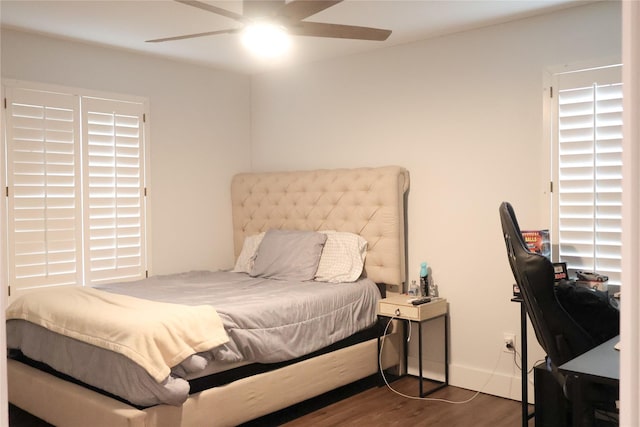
[(366, 201)]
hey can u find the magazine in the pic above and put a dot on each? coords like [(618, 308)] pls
[(537, 241)]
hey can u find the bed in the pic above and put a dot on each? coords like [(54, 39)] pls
[(368, 202)]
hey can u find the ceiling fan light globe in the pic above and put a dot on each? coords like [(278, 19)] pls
[(266, 39)]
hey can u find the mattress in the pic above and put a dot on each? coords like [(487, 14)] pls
[(268, 321)]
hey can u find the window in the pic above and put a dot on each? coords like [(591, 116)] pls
[(75, 186), (587, 175)]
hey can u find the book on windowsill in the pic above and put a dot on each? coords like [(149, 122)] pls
[(537, 241)]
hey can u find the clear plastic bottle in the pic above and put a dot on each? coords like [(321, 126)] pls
[(414, 290), (433, 289)]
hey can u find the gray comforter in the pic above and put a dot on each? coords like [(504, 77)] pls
[(267, 321)]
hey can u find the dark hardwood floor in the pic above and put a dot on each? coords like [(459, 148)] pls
[(364, 403), (379, 406)]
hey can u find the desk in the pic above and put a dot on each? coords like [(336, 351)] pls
[(600, 365), (524, 405), (398, 307)]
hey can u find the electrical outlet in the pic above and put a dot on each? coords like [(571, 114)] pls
[(509, 341)]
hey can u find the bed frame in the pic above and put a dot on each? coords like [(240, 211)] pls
[(367, 201)]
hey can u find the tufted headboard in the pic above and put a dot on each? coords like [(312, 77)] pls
[(365, 201)]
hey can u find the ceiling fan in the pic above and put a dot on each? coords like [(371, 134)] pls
[(289, 15)]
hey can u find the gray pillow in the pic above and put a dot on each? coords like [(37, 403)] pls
[(288, 255)]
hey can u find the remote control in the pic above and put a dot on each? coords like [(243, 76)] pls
[(419, 301)]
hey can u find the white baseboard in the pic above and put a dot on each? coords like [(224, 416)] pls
[(499, 384)]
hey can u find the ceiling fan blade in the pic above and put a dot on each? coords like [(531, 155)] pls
[(214, 9), (297, 10), (261, 8), (191, 36), (317, 29)]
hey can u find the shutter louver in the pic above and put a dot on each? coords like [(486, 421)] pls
[(589, 191), (43, 173), (114, 186)]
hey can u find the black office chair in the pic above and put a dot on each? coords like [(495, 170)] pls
[(561, 337)]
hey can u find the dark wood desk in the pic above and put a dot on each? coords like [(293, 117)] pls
[(524, 405), (600, 365)]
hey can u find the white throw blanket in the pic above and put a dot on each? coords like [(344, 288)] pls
[(155, 335)]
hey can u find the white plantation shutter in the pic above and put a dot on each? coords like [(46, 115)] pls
[(75, 176), (44, 226), (588, 176), (114, 189)]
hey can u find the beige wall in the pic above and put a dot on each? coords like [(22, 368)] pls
[(464, 114), (200, 134)]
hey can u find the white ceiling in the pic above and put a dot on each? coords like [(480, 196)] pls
[(127, 24)]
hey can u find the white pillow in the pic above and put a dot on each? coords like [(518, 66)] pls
[(342, 258), (247, 256)]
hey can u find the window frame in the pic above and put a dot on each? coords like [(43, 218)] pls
[(145, 149), (551, 143)]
